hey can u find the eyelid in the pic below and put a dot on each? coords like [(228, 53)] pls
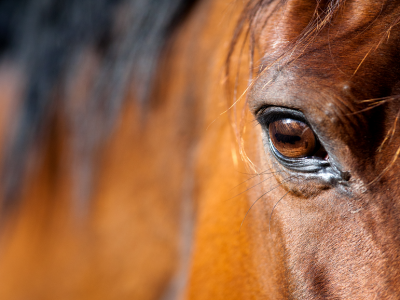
[(267, 115)]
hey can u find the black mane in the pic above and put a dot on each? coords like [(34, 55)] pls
[(47, 37)]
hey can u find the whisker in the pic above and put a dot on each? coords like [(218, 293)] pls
[(251, 187), (273, 208), (390, 133), (254, 177), (396, 155), (388, 98), (366, 109), (263, 196), (373, 103), (255, 174)]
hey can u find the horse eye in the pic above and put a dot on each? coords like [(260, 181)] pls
[(292, 138)]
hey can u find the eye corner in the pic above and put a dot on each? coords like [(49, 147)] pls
[(262, 116), (260, 110)]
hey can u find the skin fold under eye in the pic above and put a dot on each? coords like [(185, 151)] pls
[(292, 138)]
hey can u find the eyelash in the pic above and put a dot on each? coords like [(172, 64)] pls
[(269, 114)]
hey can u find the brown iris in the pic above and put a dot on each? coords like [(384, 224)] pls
[(292, 138)]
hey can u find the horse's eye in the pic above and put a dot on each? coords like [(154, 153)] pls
[(292, 138)]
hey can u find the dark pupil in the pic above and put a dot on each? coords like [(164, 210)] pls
[(283, 138)]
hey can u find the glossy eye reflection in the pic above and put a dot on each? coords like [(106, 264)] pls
[(292, 138)]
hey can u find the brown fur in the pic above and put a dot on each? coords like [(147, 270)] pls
[(164, 222)]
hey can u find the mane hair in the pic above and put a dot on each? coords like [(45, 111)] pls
[(46, 39)]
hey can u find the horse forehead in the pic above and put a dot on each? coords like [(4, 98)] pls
[(354, 12), (294, 19), (353, 55)]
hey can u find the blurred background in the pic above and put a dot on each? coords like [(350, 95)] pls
[(84, 207), (104, 144)]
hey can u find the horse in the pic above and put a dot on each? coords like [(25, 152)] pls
[(199, 149)]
